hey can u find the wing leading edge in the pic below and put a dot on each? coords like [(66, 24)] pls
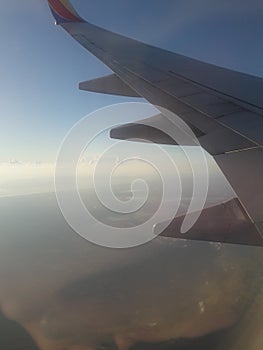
[(223, 107)]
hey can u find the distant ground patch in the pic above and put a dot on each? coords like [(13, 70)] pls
[(14, 337)]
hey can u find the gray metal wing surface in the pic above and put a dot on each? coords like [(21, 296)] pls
[(224, 108)]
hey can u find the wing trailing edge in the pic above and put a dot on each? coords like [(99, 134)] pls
[(224, 223), (110, 84)]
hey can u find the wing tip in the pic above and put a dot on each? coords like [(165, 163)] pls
[(63, 12)]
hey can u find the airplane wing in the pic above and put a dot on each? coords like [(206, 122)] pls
[(224, 108)]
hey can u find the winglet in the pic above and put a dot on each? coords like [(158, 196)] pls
[(63, 12)]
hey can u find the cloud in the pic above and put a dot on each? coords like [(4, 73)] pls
[(18, 178)]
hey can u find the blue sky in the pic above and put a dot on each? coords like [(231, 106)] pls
[(40, 65)]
